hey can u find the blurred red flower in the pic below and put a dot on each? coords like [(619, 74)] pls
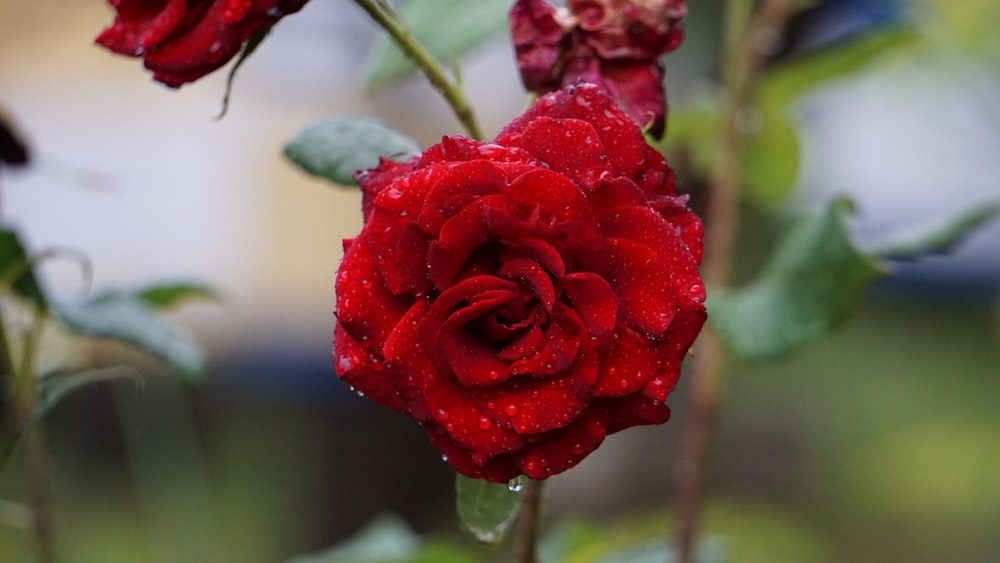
[(183, 40)]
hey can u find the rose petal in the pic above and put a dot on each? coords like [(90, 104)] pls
[(456, 185), (407, 368), (563, 449), (532, 406), (630, 365), (359, 285), (446, 305), (647, 299), (536, 35), (374, 180), (636, 410), (499, 469), (639, 89), (355, 365), (624, 145), (535, 249), (140, 25), (596, 303), (527, 345), (569, 146), (467, 425), (533, 276)]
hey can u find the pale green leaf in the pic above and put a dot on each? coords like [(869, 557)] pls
[(486, 510), (129, 319), (337, 147)]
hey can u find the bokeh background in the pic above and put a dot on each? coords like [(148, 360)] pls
[(881, 443)]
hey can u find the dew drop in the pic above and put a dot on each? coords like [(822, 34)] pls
[(577, 449), (511, 409), (485, 423), (515, 486), (442, 414), (366, 283)]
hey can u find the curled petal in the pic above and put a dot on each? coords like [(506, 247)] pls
[(596, 303), (646, 296)]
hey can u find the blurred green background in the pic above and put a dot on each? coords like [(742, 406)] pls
[(877, 444)]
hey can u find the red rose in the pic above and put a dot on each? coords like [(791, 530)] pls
[(523, 298), (615, 44), (183, 40)]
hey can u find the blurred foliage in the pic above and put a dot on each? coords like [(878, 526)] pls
[(811, 282), (447, 28)]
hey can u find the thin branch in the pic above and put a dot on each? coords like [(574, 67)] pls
[(425, 61), (743, 59), (527, 525)]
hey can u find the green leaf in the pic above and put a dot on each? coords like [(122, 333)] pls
[(16, 270), (248, 49), (56, 386), (486, 509), (335, 148), (168, 296), (131, 320), (53, 388), (810, 284), (447, 28), (938, 236)]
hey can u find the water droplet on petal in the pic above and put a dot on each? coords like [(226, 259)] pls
[(485, 423), (577, 449), (511, 409)]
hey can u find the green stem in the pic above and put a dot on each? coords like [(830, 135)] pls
[(527, 528), (29, 434), (742, 62), (432, 69), (35, 462)]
